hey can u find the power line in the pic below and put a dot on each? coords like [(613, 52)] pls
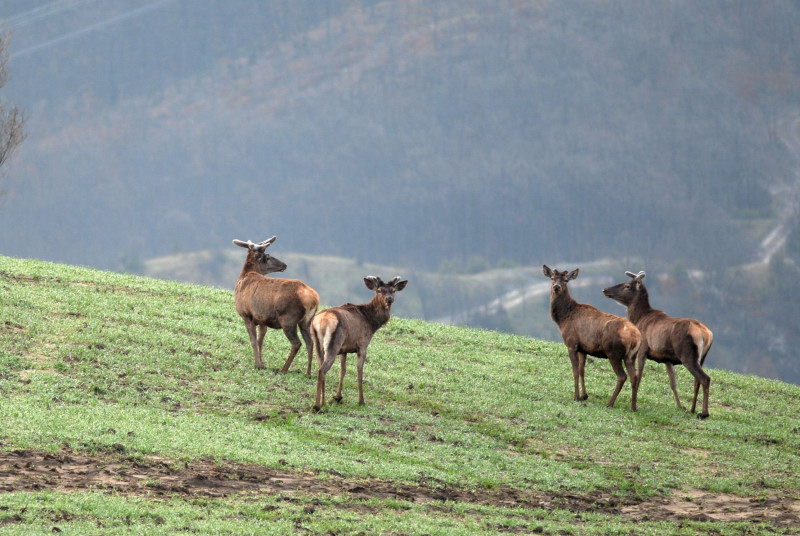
[(77, 33), (42, 12)]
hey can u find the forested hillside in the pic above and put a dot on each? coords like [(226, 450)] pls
[(452, 135), (522, 130)]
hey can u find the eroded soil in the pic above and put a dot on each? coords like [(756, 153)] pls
[(25, 470)]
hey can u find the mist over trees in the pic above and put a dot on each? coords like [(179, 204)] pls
[(436, 135)]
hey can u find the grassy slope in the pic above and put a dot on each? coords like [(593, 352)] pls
[(101, 362)]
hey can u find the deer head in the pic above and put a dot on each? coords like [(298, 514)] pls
[(259, 261), (625, 293), (385, 291), (558, 279)]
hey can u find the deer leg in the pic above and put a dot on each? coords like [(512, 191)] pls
[(262, 332), (573, 357), (641, 359), (342, 371), (291, 334), (306, 333), (673, 384), (700, 378), (631, 366), (254, 341), (582, 374), (706, 387), (320, 399), (362, 357), (324, 367), (619, 370)]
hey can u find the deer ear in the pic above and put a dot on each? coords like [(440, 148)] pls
[(573, 274), (371, 281), (547, 271), (400, 285)]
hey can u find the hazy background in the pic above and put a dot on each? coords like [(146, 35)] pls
[(460, 143)]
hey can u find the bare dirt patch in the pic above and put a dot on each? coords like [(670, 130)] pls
[(26, 470), (699, 505)]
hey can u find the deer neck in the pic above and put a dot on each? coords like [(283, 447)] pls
[(250, 265), (639, 307), (561, 306), (377, 312)]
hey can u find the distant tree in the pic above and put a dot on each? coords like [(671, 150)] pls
[(11, 118)]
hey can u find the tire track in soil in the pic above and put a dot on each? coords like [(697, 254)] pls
[(27, 470)]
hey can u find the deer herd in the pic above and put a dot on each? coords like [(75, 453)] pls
[(627, 343)]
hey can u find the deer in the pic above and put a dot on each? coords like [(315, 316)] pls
[(668, 340), (349, 328), (588, 331), (266, 302)]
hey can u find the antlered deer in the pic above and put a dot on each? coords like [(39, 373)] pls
[(587, 330), (668, 340), (349, 328), (266, 302)]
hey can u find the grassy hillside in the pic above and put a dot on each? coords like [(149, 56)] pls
[(131, 405)]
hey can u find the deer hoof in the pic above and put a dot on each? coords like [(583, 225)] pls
[(337, 399), (316, 408), (702, 416)]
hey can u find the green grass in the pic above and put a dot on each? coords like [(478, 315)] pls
[(113, 365)]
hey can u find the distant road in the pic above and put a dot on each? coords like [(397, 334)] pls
[(789, 133)]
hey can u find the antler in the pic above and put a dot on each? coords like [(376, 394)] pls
[(242, 243), (636, 277), (266, 243), (249, 244)]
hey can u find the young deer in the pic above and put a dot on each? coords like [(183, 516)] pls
[(349, 328), (586, 330), (266, 302), (668, 340)]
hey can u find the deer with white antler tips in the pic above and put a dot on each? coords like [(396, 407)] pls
[(266, 302), (589, 331), (665, 339), (349, 329)]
